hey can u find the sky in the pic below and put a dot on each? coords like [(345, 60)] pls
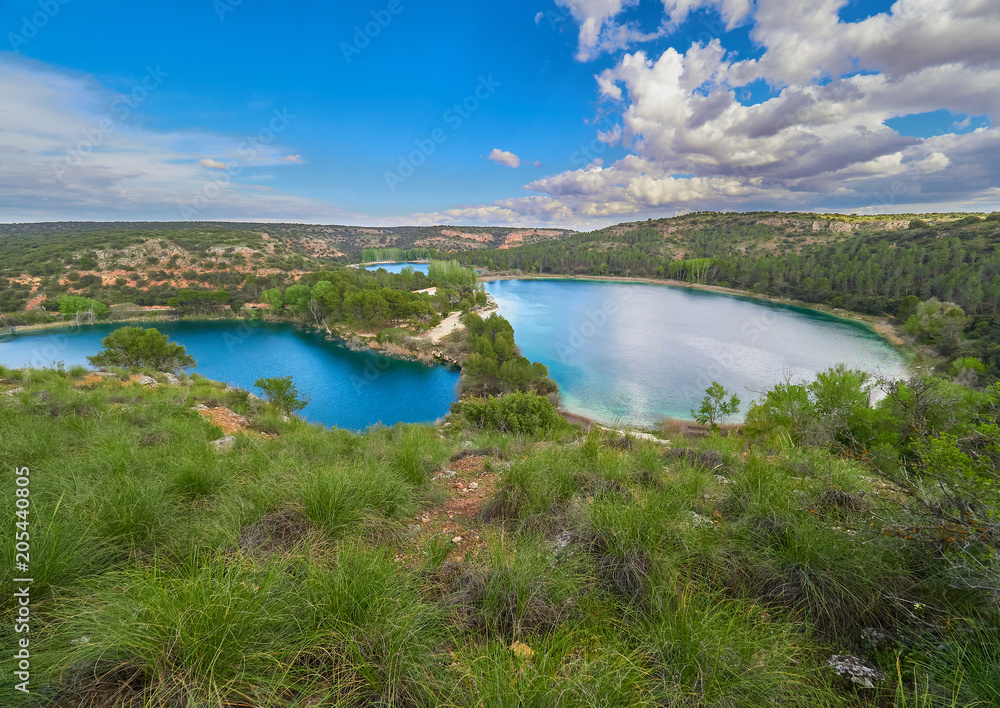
[(568, 113)]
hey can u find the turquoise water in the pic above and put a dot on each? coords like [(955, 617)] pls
[(398, 267), (347, 389), (635, 352)]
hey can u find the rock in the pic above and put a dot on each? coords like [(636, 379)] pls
[(13, 391), (855, 670), (171, 378), (43, 396), (447, 474), (200, 407), (562, 541), (224, 444), (699, 519), (103, 373), (522, 650), (144, 380), (457, 539), (722, 480), (285, 418), (473, 485)]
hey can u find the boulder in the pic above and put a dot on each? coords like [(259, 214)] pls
[(855, 670), (224, 444)]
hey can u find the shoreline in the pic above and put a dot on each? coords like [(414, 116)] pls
[(886, 331)]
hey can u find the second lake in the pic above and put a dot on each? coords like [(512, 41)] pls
[(637, 352)]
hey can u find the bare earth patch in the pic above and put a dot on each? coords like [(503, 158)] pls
[(457, 519), (229, 421)]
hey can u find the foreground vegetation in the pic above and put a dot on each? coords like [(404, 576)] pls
[(303, 567)]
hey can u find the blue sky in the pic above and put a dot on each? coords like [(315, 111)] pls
[(574, 113)]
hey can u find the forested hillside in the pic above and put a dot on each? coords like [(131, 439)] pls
[(148, 263)]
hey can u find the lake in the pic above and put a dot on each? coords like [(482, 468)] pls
[(636, 352), (398, 267), (347, 389)]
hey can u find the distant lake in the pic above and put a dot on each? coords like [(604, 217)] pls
[(397, 267), (347, 389), (636, 352)]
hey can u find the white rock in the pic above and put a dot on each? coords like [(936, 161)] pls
[(856, 670), (144, 380), (457, 539), (473, 485), (12, 391), (224, 444)]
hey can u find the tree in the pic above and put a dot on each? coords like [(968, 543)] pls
[(82, 308), (134, 346), (282, 393), (274, 299), (715, 407)]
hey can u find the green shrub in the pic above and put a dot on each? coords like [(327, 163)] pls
[(514, 413), (282, 393), (135, 347)]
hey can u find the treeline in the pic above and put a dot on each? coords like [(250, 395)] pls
[(380, 255), (371, 299)]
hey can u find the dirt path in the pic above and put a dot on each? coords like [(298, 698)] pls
[(448, 325)]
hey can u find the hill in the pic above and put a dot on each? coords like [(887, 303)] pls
[(146, 263)]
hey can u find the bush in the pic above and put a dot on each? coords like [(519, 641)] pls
[(514, 413), (282, 393), (135, 347)]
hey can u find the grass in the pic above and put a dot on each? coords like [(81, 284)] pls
[(286, 572)]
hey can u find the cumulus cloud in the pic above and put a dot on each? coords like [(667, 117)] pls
[(820, 141), (297, 159), (600, 32), (212, 164), (504, 158)]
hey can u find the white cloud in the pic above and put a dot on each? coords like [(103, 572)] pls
[(821, 143), (594, 18), (504, 158), (297, 159), (212, 164), (539, 17), (67, 151), (601, 33)]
